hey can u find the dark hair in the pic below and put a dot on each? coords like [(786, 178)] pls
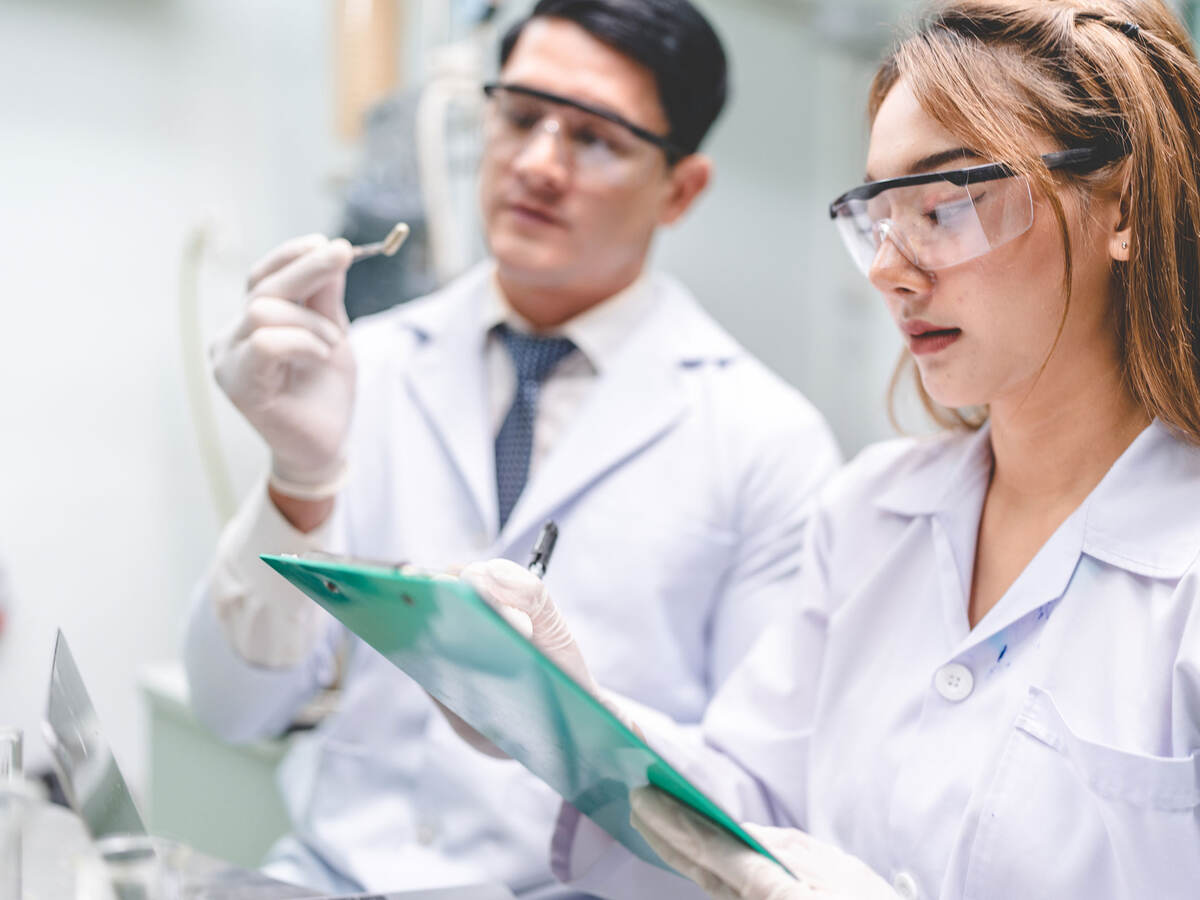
[(670, 38)]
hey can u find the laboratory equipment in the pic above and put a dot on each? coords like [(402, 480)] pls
[(387, 247), (86, 766)]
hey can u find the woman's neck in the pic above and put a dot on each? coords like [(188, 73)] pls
[(1057, 441)]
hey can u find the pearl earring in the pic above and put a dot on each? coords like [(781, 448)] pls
[(1124, 245)]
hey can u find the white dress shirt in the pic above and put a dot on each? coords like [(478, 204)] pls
[(1052, 751)]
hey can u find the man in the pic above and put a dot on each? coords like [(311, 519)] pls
[(557, 380)]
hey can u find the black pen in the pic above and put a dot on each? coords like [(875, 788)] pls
[(542, 548)]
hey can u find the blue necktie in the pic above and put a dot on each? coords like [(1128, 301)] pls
[(534, 358)]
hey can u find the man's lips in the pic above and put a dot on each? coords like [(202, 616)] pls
[(532, 213), (925, 337)]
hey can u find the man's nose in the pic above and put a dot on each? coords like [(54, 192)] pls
[(544, 155)]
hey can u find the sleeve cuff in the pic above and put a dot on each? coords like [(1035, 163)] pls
[(268, 622)]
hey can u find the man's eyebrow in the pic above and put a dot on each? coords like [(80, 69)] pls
[(934, 160)]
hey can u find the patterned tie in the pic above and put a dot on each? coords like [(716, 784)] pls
[(533, 357)]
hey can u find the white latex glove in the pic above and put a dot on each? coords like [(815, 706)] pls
[(519, 596), (522, 598), (287, 366), (729, 870)]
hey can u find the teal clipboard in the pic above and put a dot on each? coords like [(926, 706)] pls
[(455, 646)]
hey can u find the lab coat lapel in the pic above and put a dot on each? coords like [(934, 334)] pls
[(630, 407), (636, 401), (1037, 588), (448, 381)]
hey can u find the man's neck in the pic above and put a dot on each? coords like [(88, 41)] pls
[(548, 306)]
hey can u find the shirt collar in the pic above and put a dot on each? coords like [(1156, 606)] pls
[(1141, 517), (598, 332)]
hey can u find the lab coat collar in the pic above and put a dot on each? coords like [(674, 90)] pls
[(1141, 517), (1144, 516), (944, 470), (683, 332), (599, 332), (638, 397)]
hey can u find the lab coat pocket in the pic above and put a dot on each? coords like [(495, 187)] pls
[(1082, 819), (1150, 782)]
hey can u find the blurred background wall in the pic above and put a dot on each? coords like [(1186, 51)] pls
[(152, 146)]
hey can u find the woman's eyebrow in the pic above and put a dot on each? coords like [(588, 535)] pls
[(933, 160)]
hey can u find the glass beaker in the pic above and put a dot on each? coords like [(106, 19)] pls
[(128, 867), (11, 764), (18, 799), (14, 807)]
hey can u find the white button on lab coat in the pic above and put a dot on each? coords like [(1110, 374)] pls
[(954, 681), (678, 488), (1053, 751)]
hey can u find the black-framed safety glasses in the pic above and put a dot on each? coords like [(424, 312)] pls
[(941, 219), (596, 135)]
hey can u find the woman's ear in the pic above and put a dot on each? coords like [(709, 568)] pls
[(1121, 236)]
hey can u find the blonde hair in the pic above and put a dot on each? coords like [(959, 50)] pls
[(1084, 73)]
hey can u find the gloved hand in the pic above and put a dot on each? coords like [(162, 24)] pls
[(287, 366), (519, 596), (729, 870), (522, 598)]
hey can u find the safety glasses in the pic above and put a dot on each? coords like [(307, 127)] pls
[(596, 141), (941, 219)]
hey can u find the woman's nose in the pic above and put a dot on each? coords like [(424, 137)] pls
[(893, 270)]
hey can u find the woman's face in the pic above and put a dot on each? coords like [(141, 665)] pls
[(982, 330)]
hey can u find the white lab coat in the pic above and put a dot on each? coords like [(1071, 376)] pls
[(1053, 751), (679, 491)]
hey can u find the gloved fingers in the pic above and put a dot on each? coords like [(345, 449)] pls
[(660, 814), (311, 279), (518, 620), (273, 312), (287, 344), (508, 588), (828, 870), (282, 255), (692, 870), (330, 298), (745, 873), (504, 583), (682, 843)]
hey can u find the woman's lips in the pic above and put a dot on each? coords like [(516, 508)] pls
[(933, 341), (924, 338)]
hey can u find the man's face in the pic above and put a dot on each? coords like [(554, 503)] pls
[(559, 216)]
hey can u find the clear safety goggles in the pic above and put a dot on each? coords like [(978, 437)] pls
[(940, 219), (595, 141)]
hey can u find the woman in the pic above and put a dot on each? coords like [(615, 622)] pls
[(991, 686)]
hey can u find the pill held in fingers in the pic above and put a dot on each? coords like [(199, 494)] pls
[(387, 247)]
